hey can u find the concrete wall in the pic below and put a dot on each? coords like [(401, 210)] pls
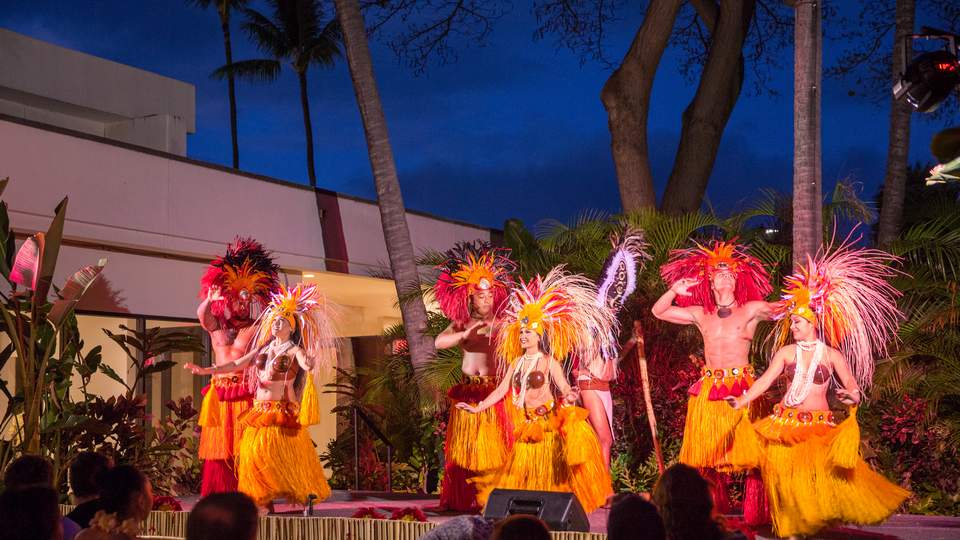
[(46, 83), (159, 219)]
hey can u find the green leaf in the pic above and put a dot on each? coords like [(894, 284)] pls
[(78, 284), (109, 372), (51, 251), (158, 367)]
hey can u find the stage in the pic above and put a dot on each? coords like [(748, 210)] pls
[(332, 520)]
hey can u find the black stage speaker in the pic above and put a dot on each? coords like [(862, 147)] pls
[(561, 511)]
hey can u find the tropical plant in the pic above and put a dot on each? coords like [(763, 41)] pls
[(148, 352), (296, 33), (30, 322), (224, 9)]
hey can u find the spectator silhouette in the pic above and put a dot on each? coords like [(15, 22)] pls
[(127, 499), (223, 515), (30, 513), (633, 518), (521, 527), (683, 498), (461, 528), (32, 471), (86, 471)]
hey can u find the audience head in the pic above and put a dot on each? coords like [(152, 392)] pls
[(30, 513), (85, 471), (461, 528), (521, 527), (126, 492), (686, 506), (633, 517), (28, 471), (223, 515)]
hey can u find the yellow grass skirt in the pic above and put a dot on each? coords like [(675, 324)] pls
[(815, 476), (277, 458), (476, 442), (715, 435), (554, 449), (221, 429)]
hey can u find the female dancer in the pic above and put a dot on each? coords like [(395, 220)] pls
[(554, 448), (276, 456), (840, 311), (473, 285)]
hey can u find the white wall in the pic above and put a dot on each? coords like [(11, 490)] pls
[(363, 233), (117, 101)]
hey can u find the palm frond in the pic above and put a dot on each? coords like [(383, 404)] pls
[(251, 70), (266, 35), (324, 48)]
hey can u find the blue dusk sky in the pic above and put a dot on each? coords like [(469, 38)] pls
[(513, 128)]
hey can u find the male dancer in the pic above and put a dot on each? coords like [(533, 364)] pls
[(235, 288), (721, 290)]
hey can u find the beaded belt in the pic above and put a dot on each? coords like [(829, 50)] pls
[(804, 417), (722, 373), (479, 379)]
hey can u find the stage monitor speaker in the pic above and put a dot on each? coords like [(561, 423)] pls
[(561, 511)]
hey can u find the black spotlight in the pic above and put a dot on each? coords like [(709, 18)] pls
[(931, 76)]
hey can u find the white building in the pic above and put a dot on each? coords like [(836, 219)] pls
[(113, 139)]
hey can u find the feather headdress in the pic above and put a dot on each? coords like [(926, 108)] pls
[(618, 278), (562, 309), (845, 293), (310, 315), (245, 272), (701, 263), (471, 267)]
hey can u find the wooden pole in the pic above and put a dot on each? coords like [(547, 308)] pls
[(645, 384)]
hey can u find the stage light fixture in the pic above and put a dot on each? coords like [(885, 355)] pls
[(931, 76)]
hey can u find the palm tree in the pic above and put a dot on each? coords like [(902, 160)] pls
[(807, 76), (295, 34), (393, 215), (224, 7), (898, 147)]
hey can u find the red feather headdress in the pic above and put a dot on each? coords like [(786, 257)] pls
[(701, 263), (470, 267), (246, 272)]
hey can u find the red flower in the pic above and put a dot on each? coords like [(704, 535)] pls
[(368, 512), (410, 513), (167, 504)]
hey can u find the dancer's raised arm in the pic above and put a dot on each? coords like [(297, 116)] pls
[(664, 309)]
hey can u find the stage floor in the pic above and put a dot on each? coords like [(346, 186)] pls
[(346, 503)]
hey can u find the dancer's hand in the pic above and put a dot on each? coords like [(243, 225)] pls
[(213, 293), (734, 402), (682, 287), (472, 409), (473, 329), (571, 398), (847, 397), (195, 369)]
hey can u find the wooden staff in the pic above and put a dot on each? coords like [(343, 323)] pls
[(637, 341)]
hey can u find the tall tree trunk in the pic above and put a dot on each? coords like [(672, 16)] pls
[(898, 147), (307, 126), (626, 97), (231, 86), (392, 213), (807, 191), (706, 117)]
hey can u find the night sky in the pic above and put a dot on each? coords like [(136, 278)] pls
[(512, 129)]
